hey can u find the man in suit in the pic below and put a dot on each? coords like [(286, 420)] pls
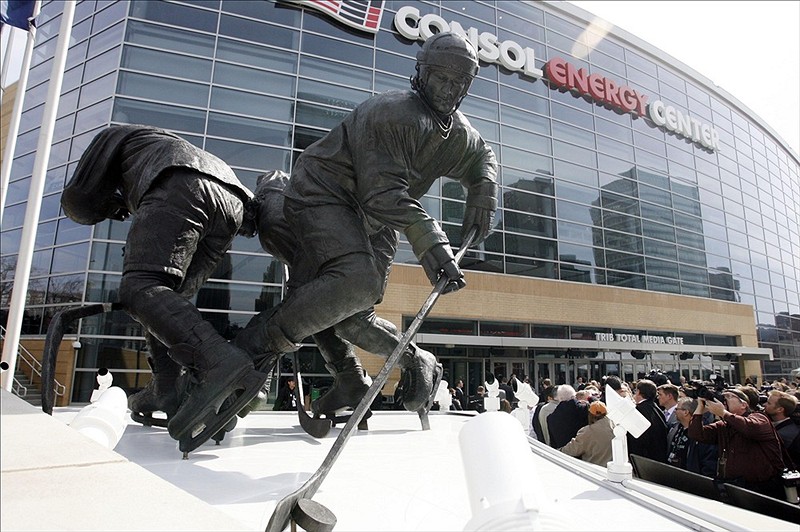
[(568, 417), (667, 396), (653, 441)]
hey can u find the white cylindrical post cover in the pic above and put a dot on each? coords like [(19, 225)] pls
[(499, 468), (104, 420)]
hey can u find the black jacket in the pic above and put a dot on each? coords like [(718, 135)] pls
[(566, 420), (653, 442)]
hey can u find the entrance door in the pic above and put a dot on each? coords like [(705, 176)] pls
[(506, 367)]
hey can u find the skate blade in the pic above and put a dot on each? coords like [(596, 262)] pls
[(344, 418), (208, 422), (148, 420)]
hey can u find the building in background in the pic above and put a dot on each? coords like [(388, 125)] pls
[(649, 221)]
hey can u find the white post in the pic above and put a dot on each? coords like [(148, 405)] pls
[(23, 271), (13, 125)]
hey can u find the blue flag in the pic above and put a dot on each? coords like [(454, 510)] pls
[(17, 13)]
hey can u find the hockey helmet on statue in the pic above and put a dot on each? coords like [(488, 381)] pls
[(446, 66), (451, 51)]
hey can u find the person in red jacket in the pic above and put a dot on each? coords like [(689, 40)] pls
[(749, 450)]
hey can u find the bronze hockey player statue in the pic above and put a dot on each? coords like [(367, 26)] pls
[(339, 216), (187, 207)]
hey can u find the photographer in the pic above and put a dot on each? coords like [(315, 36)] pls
[(749, 451)]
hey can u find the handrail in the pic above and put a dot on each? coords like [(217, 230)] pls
[(36, 367)]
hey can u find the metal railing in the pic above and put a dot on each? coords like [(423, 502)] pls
[(25, 356)]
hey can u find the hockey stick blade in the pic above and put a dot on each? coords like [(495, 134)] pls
[(316, 427), (52, 342), (283, 510)]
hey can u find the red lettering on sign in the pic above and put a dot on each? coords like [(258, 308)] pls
[(604, 90)]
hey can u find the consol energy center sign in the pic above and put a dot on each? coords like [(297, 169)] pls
[(412, 25), (365, 15)]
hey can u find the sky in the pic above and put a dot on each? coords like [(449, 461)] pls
[(751, 49)]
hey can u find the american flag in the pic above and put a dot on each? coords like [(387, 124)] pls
[(360, 14)]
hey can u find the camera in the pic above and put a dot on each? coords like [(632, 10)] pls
[(791, 479), (711, 389)]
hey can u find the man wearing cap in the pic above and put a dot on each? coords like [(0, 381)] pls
[(349, 195), (749, 451), (592, 443)]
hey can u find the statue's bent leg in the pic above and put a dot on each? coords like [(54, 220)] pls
[(420, 373), (161, 393), (349, 384), (216, 368)]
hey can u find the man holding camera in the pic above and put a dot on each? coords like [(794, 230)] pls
[(749, 451)]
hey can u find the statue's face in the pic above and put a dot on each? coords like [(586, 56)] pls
[(444, 89)]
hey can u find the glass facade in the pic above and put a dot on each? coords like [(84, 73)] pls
[(589, 194)]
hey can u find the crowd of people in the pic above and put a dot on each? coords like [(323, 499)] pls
[(739, 434)]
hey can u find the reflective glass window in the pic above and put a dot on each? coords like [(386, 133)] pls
[(693, 275), (50, 207), (658, 230), (618, 222), (614, 147), (335, 49), (573, 172), (170, 38), (163, 89), (661, 268), (101, 64), (335, 72), (254, 55), (572, 116), (622, 241), (170, 64), (396, 64), (319, 116), (574, 212), (527, 223), (249, 129), (526, 121), (656, 248), (65, 289), (249, 156), (578, 233), (97, 90), (106, 39), (577, 254), (575, 154), (524, 139), (68, 259), (106, 256), (663, 285), (526, 160), (577, 193), (160, 115), (691, 256), (45, 235), (530, 247), (69, 231), (255, 80), (481, 108), (316, 91), (176, 15), (234, 296), (576, 135), (246, 103)]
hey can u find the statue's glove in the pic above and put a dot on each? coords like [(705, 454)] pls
[(438, 261), (480, 209), (117, 209)]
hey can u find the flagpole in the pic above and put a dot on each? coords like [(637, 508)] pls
[(13, 125), (25, 258), (7, 55)]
